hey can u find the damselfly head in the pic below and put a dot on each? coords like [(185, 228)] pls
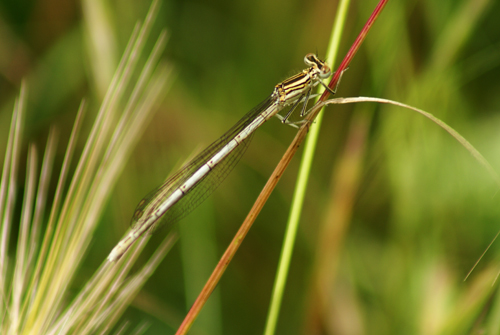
[(323, 70)]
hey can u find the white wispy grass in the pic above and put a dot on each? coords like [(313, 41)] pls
[(34, 282)]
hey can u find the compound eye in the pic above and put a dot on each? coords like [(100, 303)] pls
[(310, 59), (325, 72)]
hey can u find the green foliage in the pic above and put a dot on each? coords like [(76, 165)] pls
[(396, 212)]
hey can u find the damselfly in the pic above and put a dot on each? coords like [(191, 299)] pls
[(196, 180)]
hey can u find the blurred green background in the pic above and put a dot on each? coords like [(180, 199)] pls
[(396, 212)]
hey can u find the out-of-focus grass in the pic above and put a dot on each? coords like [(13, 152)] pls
[(396, 212)]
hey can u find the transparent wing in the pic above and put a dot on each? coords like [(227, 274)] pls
[(200, 191)]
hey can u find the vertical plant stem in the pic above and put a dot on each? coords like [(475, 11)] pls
[(302, 180)]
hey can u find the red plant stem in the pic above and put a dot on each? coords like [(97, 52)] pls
[(240, 235), (271, 183), (354, 49)]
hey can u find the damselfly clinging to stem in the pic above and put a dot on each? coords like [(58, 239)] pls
[(196, 180)]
